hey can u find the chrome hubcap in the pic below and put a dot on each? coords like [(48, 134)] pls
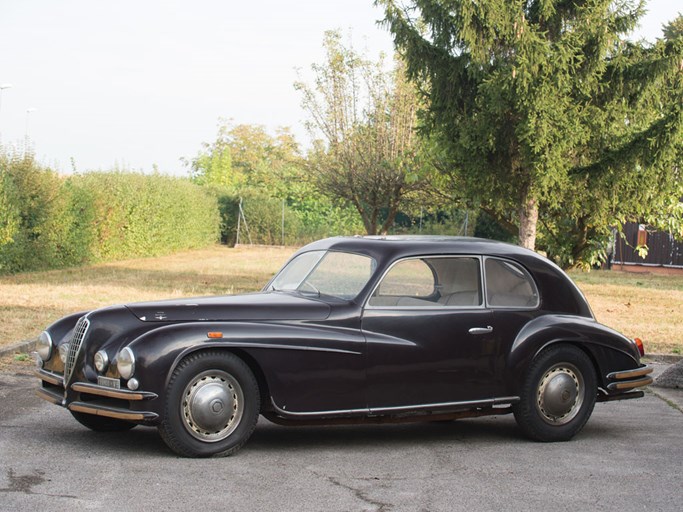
[(213, 404), (560, 394)]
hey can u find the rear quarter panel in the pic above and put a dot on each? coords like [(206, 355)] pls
[(609, 350)]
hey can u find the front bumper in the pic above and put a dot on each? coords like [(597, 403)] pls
[(621, 384), (89, 398)]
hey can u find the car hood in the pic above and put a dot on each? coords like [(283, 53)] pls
[(254, 306)]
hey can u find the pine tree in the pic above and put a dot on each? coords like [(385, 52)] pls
[(546, 112)]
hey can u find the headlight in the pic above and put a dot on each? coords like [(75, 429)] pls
[(101, 361), (63, 352), (44, 346), (125, 362)]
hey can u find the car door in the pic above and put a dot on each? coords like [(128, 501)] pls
[(429, 335)]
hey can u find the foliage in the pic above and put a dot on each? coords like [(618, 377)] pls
[(369, 155), (52, 222), (9, 213), (305, 217), (39, 218), (546, 112), (128, 214), (265, 171), (213, 163)]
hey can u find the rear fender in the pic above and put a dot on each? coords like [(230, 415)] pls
[(609, 350)]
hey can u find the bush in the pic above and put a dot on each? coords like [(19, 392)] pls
[(122, 215), (39, 217), (304, 221), (47, 221)]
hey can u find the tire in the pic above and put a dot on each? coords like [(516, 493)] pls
[(212, 405), (102, 423), (558, 394)]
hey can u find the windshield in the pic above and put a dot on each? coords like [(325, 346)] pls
[(335, 274)]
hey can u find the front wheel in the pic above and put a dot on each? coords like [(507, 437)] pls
[(212, 405), (558, 394)]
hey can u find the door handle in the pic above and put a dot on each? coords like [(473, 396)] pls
[(481, 330)]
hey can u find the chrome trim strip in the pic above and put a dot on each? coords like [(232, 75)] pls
[(490, 402), (112, 412), (629, 384), (50, 396), (468, 403), (629, 374), (123, 394), (292, 347), (50, 377)]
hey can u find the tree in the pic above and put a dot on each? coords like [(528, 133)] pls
[(369, 154), (213, 164), (546, 112), (246, 162)]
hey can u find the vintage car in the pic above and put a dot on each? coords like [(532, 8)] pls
[(351, 330)]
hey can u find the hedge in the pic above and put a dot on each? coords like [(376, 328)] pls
[(48, 221)]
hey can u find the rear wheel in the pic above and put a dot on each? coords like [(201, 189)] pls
[(212, 404), (558, 394), (102, 423)]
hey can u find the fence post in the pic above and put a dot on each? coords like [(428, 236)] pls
[(239, 218)]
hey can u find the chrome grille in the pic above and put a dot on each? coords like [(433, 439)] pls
[(75, 346)]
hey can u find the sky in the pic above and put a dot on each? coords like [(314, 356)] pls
[(138, 85)]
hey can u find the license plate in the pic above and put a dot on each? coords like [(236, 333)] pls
[(109, 383)]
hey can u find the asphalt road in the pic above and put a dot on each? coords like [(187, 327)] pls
[(628, 457)]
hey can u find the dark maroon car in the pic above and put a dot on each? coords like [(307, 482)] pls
[(351, 330)]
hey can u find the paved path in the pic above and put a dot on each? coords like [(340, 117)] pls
[(627, 458)]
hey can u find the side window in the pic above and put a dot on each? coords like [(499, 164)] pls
[(408, 283), (431, 282), (509, 285)]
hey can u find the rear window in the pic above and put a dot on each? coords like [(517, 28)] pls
[(509, 285)]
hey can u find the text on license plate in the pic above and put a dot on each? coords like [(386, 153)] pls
[(109, 383)]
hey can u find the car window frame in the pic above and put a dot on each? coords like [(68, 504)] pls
[(436, 307), (526, 272)]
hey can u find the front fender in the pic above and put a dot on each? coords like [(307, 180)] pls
[(281, 351), (609, 350)]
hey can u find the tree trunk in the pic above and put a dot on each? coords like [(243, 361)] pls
[(528, 219)]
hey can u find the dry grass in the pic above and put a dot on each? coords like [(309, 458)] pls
[(647, 306), (29, 302)]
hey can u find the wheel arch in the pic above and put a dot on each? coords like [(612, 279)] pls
[(246, 357), (607, 350)]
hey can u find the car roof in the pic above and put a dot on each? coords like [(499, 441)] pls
[(405, 245), (558, 291)]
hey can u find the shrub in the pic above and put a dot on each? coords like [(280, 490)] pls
[(304, 220), (39, 220), (123, 215), (47, 221)]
